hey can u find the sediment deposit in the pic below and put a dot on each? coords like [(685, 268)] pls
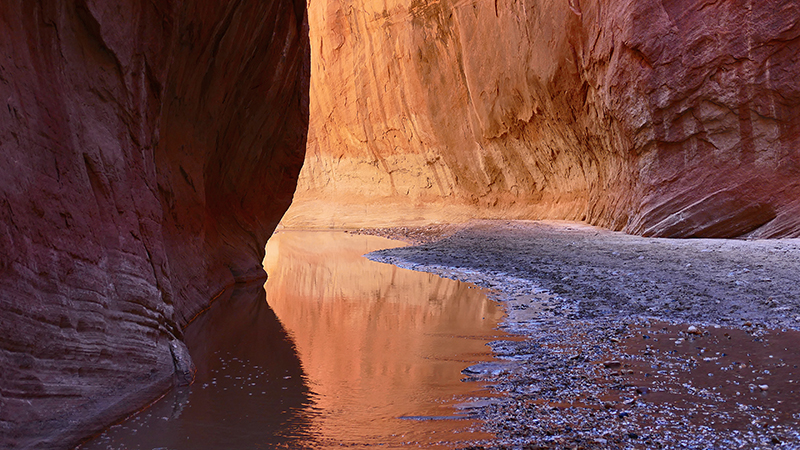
[(674, 119), (630, 342), (148, 150)]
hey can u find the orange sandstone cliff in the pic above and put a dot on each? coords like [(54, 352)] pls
[(147, 151), (671, 118)]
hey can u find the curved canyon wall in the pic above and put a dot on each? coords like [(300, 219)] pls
[(148, 150), (677, 118)]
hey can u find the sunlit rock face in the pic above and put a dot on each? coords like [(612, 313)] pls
[(147, 151), (677, 118)]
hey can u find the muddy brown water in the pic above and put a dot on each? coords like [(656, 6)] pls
[(719, 377), (335, 350)]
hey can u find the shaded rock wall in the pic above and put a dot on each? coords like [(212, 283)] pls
[(147, 151), (674, 118)]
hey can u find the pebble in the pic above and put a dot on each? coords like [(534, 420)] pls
[(543, 375)]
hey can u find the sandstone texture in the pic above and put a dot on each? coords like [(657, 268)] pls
[(147, 151), (677, 119)]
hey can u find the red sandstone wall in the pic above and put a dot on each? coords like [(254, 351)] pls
[(663, 118), (147, 151)]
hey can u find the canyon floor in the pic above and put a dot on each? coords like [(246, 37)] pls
[(625, 341)]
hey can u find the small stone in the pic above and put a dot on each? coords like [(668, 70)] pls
[(763, 387), (693, 330), (612, 364)]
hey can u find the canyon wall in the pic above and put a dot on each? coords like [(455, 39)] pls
[(671, 118), (147, 151)]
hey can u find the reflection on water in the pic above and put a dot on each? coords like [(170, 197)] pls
[(360, 354), (249, 392), (377, 342)]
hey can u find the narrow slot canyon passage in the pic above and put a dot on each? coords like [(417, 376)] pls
[(603, 200)]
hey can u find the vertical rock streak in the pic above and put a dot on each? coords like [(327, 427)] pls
[(671, 118)]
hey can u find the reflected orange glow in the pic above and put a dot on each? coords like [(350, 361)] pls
[(376, 342)]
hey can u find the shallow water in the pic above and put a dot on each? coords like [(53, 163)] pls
[(719, 377), (343, 352)]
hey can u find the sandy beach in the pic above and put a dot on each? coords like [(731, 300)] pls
[(628, 342)]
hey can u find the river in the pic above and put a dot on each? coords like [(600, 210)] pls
[(334, 350)]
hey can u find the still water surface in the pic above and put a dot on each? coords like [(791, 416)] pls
[(343, 352)]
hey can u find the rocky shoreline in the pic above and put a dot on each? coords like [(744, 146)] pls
[(629, 342)]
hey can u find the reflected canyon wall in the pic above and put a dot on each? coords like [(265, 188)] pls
[(663, 118), (148, 150), (362, 330)]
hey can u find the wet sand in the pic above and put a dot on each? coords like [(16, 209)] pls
[(630, 342)]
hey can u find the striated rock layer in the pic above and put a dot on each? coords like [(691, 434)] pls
[(677, 118), (147, 151)]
